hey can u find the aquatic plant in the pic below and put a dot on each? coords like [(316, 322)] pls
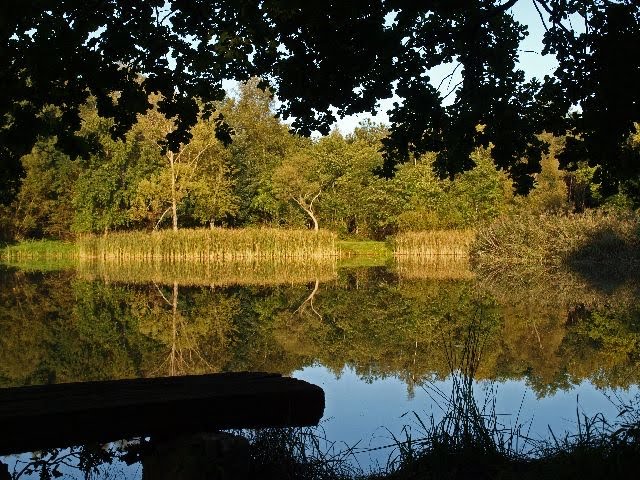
[(454, 243), (210, 245)]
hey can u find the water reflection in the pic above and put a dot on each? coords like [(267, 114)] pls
[(60, 327), (372, 337)]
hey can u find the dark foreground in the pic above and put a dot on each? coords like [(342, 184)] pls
[(49, 416)]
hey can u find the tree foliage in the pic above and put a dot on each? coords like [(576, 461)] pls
[(332, 55), (269, 176), (44, 206)]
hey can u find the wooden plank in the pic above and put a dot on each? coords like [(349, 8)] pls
[(43, 416)]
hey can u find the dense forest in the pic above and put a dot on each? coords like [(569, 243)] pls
[(270, 176)]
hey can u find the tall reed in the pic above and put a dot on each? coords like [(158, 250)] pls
[(210, 245), (454, 243)]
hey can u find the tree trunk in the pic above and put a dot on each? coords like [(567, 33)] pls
[(312, 216), (308, 209)]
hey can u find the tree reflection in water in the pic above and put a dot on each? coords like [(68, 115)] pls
[(552, 333)]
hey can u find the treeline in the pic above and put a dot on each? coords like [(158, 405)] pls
[(268, 176)]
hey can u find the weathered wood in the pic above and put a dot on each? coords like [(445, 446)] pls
[(45, 416)]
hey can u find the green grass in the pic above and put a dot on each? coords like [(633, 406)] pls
[(38, 250), (369, 248)]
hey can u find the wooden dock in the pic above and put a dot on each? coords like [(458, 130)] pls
[(48, 416)]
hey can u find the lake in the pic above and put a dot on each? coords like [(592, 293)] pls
[(386, 343)]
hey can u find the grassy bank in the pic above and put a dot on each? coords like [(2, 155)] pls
[(582, 241), (210, 246), (368, 248), (455, 243), (480, 448)]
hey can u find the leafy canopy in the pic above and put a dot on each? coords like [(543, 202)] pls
[(319, 55)]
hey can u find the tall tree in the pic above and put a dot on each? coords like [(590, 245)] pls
[(299, 179), (197, 172), (260, 143), (352, 163), (44, 205), (106, 186)]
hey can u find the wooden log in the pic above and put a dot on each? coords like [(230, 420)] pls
[(47, 416)]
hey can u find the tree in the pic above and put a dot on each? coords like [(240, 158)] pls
[(482, 193), (596, 74), (260, 143), (106, 186), (329, 178), (196, 173), (318, 56), (44, 205), (60, 53), (213, 196), (423, 194), (550, 193), (351, 163), (299, 179)]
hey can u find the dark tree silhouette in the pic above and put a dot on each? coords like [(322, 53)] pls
[(318, 55)]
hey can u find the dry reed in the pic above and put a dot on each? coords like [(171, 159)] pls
[(552, 241), (210, 245), (455, 243)]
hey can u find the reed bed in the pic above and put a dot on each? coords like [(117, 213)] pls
[(217, 245), (209, 274), (454, 243), (434, 267)]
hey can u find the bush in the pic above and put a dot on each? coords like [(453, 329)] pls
[(552, 241)]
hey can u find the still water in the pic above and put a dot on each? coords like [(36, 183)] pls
[(381, 341)]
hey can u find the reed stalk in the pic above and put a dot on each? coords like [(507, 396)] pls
[(217, 245), (210, 274), (433, 267), (454, 243)]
